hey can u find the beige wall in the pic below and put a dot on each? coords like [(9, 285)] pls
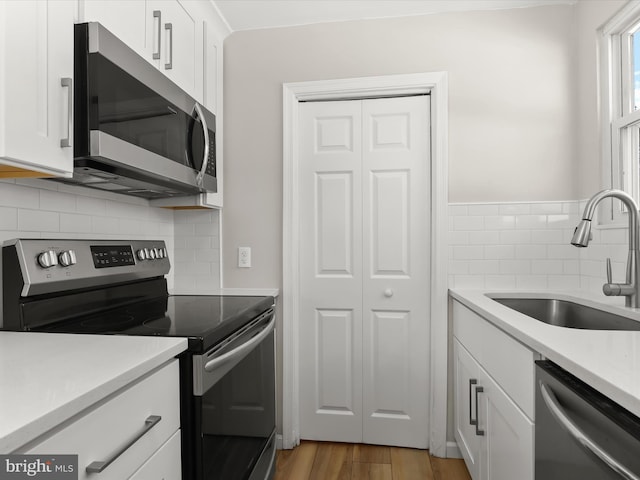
[(513, 97)]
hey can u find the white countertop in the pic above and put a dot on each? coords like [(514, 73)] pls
[(608, 360), (45, 378)]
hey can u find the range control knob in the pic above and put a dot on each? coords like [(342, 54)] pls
[(142, 255), (67, 258), (47, 259), (153, 253)]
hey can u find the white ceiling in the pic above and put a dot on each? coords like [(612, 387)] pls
[(256, 14)]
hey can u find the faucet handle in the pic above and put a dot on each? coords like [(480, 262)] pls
[(609, 270)]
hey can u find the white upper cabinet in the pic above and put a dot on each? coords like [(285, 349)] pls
[(171, 33), (124, 18), (161, 31), (36, 92)]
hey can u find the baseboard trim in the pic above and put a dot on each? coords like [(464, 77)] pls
[(453, 451)]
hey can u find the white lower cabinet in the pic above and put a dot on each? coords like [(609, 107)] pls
[(165, 464), (493, 399), (134, 434)]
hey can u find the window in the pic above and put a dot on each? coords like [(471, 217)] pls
[(620, 108)]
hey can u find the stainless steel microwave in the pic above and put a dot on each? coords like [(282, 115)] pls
[(135, 131)]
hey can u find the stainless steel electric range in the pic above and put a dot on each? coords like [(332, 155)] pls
[(119, 287)]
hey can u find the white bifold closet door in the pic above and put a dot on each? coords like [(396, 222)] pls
[(364, 216)]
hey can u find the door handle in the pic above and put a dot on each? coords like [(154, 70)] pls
[(67, 82), (169, 28), (478, 431), (158, 14), (197, 110), (388, 293), (472, 382)]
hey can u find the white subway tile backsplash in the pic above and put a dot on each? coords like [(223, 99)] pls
[(521, 245), (8, 218), (531, 282), (75, 223), (531, 222), (515, 209), (483, 209), (38, 221), (57, 201), (487, 237), (515, 237), (498, 252), (39, 208), (467, 252), (546, 208), (514, 267), (531, 251), (468, 223), (500, 222)]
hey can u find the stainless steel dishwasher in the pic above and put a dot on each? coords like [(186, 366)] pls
[(580, 433)]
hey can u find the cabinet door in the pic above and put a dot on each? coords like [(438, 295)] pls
[(36, 53), (465, 373), (176, 29), (124, 18), (507, 446)]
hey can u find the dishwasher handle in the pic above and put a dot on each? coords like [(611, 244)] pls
[(581, 437)]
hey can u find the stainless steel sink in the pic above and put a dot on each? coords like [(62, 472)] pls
[(563, 313)]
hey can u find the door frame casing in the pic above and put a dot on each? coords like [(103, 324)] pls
[(435, 84)]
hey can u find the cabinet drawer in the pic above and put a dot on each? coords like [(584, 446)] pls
[(165, 464), (98, 434), (508, 362)]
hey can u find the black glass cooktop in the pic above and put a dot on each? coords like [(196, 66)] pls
[(205, 320)]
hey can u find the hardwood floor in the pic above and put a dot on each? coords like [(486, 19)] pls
[(344, 461)]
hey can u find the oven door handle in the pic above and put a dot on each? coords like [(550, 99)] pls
[(246, 347), (581, 437)]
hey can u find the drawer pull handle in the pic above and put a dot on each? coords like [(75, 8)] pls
[(472, 382), (99, 466), (478, 431)]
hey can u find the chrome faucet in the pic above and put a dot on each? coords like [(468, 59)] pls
[(582, 235)]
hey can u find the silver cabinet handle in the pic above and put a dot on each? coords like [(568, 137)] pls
[(576, 432), (478, 431), (169, 28), (158, 14), (67, 82), (472, 421), (98, 466), (205, 156), (211, 365)]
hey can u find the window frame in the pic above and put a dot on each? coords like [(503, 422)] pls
[(619, 122)]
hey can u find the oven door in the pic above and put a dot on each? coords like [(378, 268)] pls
[(234, 395)]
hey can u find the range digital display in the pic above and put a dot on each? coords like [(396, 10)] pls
[(105, 256)]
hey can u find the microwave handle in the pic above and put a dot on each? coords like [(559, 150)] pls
[(205, 130)]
